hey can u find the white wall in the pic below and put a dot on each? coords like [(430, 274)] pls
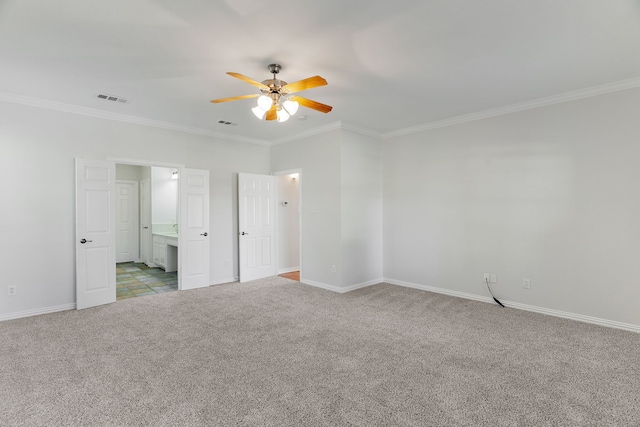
[(288, 228), (319, 158), (38, 147), (549, 194), (341, 206), (361, 201)]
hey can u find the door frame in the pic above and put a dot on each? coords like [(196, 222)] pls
[(146, 239), (110, 164), (151, 163), (277, 219)]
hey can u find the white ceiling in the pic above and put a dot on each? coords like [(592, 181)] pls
[(390, 65)]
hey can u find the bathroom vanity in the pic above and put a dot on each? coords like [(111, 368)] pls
[(165, 250)]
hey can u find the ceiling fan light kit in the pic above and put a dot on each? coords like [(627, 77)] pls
[(264, 102), (276, 101)]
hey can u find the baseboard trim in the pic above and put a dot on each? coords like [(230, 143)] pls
[(363, 284), (438, 290), (578, 317), (223, 281), (36, 312), (288, 270), (340, 289), (520, 306)]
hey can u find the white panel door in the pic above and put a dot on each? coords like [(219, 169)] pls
[(127, 236), (193, 229), (95, 233), (256, 226), (145, 222)]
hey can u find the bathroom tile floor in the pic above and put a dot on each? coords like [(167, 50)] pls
[(134, 279)]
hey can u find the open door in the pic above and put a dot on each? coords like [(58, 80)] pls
[(95, 233), (256, 226), (193, 232)]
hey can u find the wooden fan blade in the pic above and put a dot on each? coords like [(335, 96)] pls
[(305, 84), (233, 98), (272, 114), (248, 80), (323, 108)]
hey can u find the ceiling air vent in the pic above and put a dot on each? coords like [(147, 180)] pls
[(112, 98)]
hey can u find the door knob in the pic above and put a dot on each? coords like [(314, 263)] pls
[(204, 234), (83, 241), (243, 233), (145, 227)]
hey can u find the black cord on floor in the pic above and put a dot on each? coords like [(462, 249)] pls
[(494, 298)]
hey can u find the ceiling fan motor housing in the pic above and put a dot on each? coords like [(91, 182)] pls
[(274, 84), (274, 68)]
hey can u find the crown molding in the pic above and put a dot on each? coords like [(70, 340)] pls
[(529, 105), (363, 131), (92, 112)]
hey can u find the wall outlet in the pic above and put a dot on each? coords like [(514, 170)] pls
[(226, 263), (486, 278), (12, 290), (334, 270), (494, 278), (527, 283)]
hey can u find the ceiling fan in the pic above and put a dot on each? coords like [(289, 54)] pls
[(276, 101)]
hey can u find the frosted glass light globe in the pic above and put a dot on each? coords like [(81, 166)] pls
[(265, 102), (259, 112), (290, 106), (283, 116)]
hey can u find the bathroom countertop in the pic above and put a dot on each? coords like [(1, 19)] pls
[(166, 233)]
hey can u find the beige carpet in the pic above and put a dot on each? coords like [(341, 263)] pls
[(279, 353)]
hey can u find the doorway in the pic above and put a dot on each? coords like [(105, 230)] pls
[(288, 225), (146, 230), (95, 189), (270, 224)]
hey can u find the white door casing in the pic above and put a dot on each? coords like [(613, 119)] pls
[(127, 235), (193, 231), (145, 222), (95, 233), (256, 226)]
